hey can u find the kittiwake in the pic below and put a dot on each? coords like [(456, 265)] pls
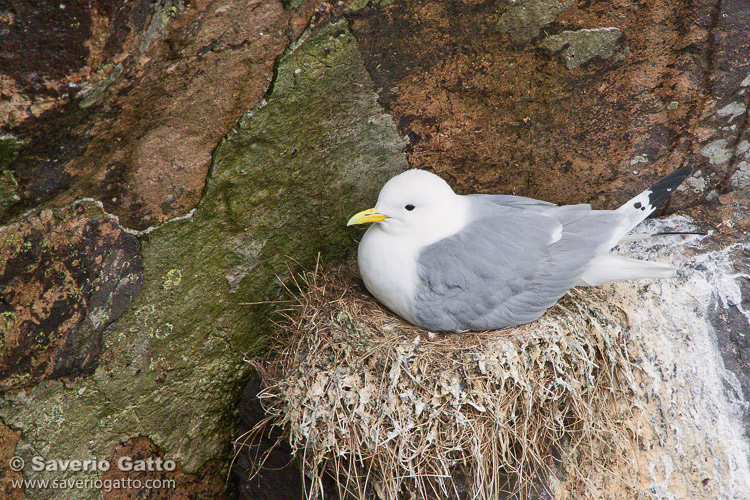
[(449, 262)]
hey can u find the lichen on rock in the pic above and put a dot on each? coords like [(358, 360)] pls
[(65, 276), (581, 46), (171, 368), (523, 19)]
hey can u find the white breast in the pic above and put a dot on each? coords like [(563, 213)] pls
[(388, 266)]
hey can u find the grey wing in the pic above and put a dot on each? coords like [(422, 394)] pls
[(507, 200), (507, 268)]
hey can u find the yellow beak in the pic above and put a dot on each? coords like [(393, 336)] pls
[(366, 216)]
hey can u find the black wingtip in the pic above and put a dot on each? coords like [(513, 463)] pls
[(665, 186)]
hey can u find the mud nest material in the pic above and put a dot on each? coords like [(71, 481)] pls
[(391, 411)]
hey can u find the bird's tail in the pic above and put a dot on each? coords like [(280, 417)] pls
[(606, 268), (643, 205)]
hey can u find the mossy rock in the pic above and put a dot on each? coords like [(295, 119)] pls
[(282, 185)]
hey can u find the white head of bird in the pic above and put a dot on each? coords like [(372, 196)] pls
[(416, 204)]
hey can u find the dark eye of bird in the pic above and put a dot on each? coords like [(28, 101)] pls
[(409, 207)]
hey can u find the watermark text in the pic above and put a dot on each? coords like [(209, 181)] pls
[(39, 464), (98, 484), (124, 463)]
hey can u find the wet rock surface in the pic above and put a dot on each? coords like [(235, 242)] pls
[(280, 477), (51, 49)]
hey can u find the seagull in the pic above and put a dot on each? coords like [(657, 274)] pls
[(455, 263)]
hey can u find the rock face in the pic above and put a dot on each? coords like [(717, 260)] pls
[(581, 46), (693, 433), (494, 113), (66, 275), (171, 161), (156, 86), (142, 333)]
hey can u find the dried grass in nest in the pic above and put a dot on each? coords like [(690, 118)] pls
[(386, 408)]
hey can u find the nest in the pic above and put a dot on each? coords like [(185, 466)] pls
[(391, 411)]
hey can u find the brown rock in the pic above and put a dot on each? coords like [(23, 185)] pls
[(495, 116), (159, 478), (8, 440), (142, 142), (728, 221), (39, 72), (65, 275)]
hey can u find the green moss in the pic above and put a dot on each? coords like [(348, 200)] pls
[(292, 4), (283, 184), (9, 146)]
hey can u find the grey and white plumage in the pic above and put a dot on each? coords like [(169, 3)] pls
[(447, 262)]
